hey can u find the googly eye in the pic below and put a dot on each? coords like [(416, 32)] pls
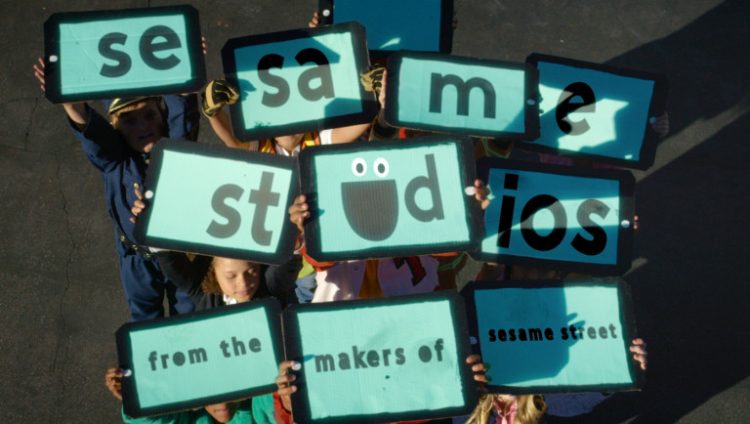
[(381, 167), (359, 167)]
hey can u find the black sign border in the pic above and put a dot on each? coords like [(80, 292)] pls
[(130, 402), (657, 106), (368, 103), (53, 76), (312, 225), (446, 27), (627, 319), (531, 94), (285, 247), (294, 351), (627, 211)]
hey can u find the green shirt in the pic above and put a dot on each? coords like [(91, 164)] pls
[(257, 410)]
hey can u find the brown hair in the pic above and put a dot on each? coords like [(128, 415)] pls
[(114, 118), (210, 285), (531, 408)]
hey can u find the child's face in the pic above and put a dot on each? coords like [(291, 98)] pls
[(222, 412), (237, 279), (290, 140), (142, 127)]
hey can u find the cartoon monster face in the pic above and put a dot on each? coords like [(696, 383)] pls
[(380, 194)]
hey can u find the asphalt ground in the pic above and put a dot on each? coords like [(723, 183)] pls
[(62, 300)]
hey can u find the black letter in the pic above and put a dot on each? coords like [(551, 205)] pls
[(372, 358), (535, 333), (506, 211), (598, 240), (224, 345), (324, 362), (147, 47), (105, 49), (549, 334), (463, 90), (612, 330), (430, 182), (492, 335), (564, 107), (254, 345), (400, 358), (238, 347), (233, 217), (425, 354), (359, 358), (344, 361), (322, 71), (178, 358), (197, 355), (551, 240), (263, 198), (264, 64), (564, 332)]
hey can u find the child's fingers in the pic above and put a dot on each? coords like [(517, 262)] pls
[(314, 20)]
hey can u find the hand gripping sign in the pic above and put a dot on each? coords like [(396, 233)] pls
[(296, 81), (219, 201), (389, 198), (199, 359), (548, 336), (460, 95), (557, 217), (598, 111), (383, 360), (118, 53)]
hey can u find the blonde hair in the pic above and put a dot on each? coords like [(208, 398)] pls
[(530, 410), (114, 119)]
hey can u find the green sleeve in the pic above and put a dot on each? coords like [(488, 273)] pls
[(263, 409), (178, 418)]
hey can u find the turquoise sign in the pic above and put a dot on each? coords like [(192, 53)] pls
[(366, 361), (134, 52), (198, 359), (389, 198), (557, 217), (553, 336), (296, 81), (459, 95), (597, 111), (219, 201)]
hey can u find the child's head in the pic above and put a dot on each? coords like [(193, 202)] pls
[(140, 120), (290, 141), (222, 412), (236, 278), (530, 408)]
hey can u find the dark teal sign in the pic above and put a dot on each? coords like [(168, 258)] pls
[(452, 94), (373, 361), (598, 111), (219, 201), (118, 53), (541, 337), (296, 81), (389, 198), (558, 217), (198, 359)]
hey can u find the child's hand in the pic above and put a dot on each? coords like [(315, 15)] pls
[(113, 381), (299, 212), (480, 192), (39, 73), (204, 45), (284, 381), (216, 94), (314, 21), (478, 369), (638, 348), (374, 81), (139, 205), (660, 124)]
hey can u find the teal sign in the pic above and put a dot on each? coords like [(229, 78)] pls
[(118, 53), (366, 361), (391, 26), (389, 198), (198, 359), (557, 217), (553, 336), (295, 81), (597, 111), (459, 95), (219, 201)]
